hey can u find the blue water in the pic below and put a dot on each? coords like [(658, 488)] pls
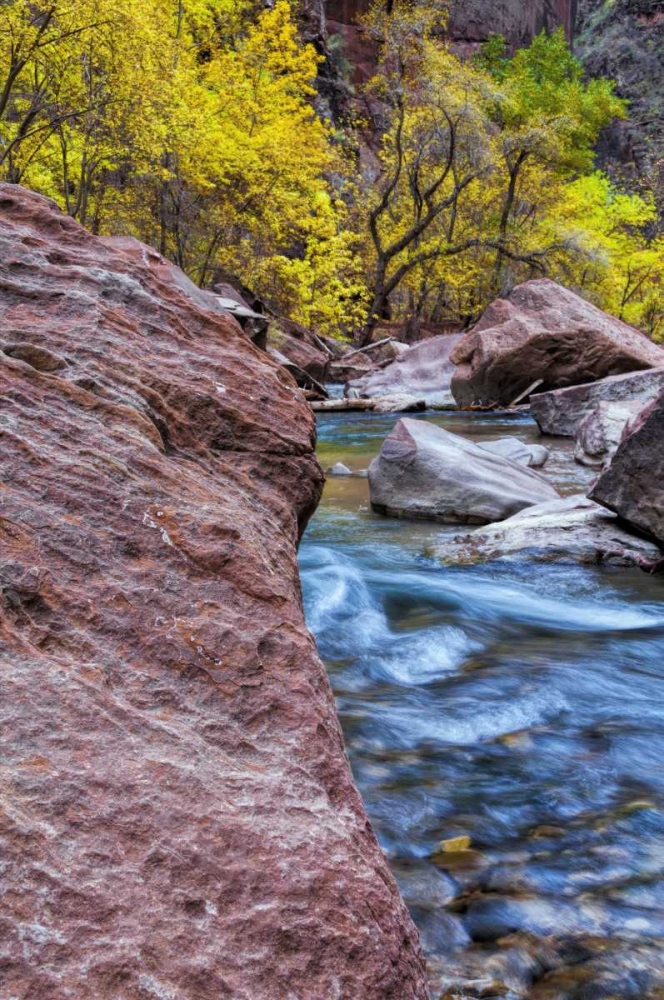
[(519, 706)]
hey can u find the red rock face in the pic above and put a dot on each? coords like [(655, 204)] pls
[(474, 21), (543, 337), (632, 486), (177, 816)]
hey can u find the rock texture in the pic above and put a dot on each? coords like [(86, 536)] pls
[(294, 349), (633, 484), (177, 815), (562, 411), (347, 369), (532, 455), (572, 530), (424, 370), (365, 362), (425, 472), (599, 434), (624, 40), (474, 21), (543, 332)]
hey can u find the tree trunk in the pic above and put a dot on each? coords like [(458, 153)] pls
[(379, 307)]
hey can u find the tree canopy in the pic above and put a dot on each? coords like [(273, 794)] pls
[(195, 126)]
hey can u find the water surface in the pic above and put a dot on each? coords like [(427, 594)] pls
[(505, 724)]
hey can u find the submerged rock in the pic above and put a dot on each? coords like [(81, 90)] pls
[(573, 530), (179, 817), (561, 412), (544, 333), (633, 484), (424, 371), (425, 472), (490, 918), (605, 969)]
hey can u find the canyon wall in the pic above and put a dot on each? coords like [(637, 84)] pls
[(177, 814), (349, 57), (473, 21), (624, 40)]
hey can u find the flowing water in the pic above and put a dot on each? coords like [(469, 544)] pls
[(505, 724)]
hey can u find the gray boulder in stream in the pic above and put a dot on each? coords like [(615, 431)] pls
[(425, 472), (423, 371), (570, 530), (562, 411)]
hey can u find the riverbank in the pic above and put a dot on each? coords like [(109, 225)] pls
[(504, 724)]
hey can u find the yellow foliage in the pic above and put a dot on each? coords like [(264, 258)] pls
[(189, 124), (487, 181)]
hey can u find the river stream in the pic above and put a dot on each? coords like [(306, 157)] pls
[(505, 724)]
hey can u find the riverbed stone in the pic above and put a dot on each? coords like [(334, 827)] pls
[(633, 484), (572, 530), (491, 917), (605, 969), (560, 412), (544, 333), (426, 472)]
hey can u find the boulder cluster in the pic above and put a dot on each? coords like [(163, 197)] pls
[(585, 375)]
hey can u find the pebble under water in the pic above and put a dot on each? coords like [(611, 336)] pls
[(505, 724)]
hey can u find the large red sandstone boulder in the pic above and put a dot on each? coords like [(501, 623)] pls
[(543, 333), (178, 818), (633, 484)]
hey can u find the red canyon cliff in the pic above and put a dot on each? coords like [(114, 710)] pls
[(177, 815)]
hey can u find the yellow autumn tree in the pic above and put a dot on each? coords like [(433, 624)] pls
[(483, 164), (187, 123), (191, 124)]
